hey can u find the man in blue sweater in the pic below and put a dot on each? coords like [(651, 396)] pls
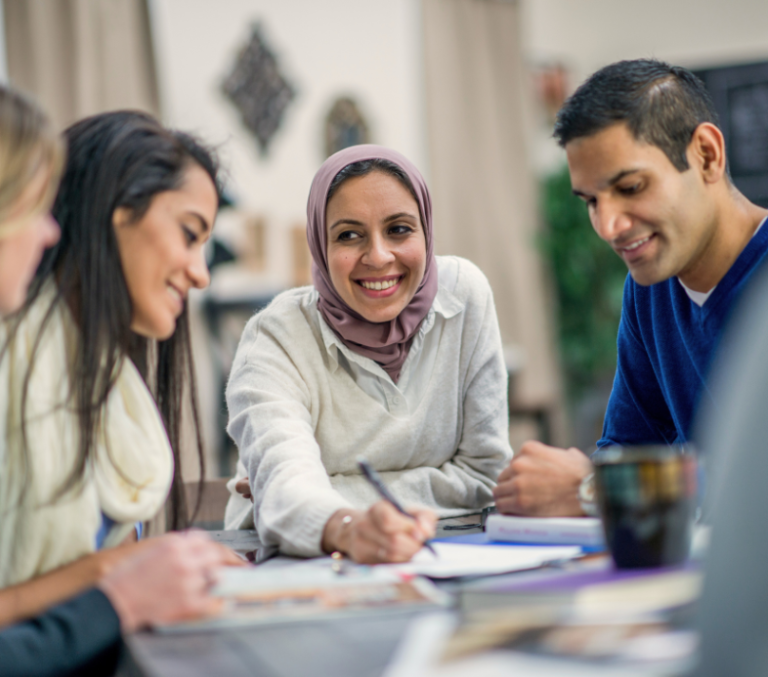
[(646, 156)]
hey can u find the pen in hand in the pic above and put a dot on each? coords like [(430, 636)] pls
[(376, 482)]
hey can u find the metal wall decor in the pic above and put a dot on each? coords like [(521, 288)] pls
[(345, 126), (258, 90)]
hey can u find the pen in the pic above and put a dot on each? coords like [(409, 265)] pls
[(376, 482)]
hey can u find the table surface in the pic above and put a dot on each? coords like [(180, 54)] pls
[(359, 646)]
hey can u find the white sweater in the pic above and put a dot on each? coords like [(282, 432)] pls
[(302, 407), (130, 472)]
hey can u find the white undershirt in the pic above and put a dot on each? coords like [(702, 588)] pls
[(700, 297)]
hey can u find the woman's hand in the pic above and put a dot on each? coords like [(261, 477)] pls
[(163, 554), (380, 534), (243, 487), (168, 581)]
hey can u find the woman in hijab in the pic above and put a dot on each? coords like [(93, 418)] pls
[(394, 355)]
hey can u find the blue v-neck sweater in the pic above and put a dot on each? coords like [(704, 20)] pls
[(665, 348)]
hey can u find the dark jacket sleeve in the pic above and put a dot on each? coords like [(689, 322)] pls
[(81, 636)]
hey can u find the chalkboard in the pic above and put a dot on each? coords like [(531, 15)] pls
[(740, 95)]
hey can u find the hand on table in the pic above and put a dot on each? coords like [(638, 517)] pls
[(380, 534), (167, 580), (542, 481)]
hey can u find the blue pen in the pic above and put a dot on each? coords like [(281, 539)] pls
[(376, 482)]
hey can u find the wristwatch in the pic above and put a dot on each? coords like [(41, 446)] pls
[(587, 495)]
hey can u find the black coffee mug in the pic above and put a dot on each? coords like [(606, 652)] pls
[(647, 500)]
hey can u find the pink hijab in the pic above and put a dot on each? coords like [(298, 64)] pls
[(386, 342)]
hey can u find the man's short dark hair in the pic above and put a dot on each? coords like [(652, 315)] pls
[(661, 104)]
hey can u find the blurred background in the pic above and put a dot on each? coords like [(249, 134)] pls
[(467, 89)]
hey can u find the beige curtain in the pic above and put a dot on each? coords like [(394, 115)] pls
[(79, 57), (482, 185)]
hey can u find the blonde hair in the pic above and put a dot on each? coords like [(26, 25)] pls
[(28, 145)]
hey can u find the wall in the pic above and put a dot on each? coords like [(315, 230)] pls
[(3, 60), (588, 34), (370, 49)]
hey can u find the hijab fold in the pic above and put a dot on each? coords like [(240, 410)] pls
[(387, 343)]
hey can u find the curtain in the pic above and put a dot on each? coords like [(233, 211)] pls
[(80, 57), (484, 192)]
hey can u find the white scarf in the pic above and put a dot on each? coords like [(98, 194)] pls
[(128, 479)]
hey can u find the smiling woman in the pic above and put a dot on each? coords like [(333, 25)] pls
[(393, 354), (94, 363), (162, 252), (377, 252)]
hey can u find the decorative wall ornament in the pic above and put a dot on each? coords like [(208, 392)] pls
[(258, 90), (345, 126)]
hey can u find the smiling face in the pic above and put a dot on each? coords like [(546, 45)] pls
[(660, 221), (162, 253), (377, 251), (22, 249)]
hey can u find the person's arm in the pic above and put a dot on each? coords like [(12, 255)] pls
[(544, 481), (637, 411), (271, 423), (25, 600), (165, 581), (80, 636), (270, 420)]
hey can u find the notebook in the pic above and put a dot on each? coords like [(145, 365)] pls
[(550, 530)]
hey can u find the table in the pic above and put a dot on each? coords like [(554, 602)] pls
[(361, 646), (356, 647)]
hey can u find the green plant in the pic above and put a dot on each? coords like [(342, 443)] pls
[(589, 279)]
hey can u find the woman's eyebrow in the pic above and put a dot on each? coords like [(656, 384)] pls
[(203, 223), (349, 222), (400, 215)]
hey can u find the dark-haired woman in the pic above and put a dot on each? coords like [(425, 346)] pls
[(394, 354), (83, 449)]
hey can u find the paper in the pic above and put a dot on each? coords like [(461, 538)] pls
[(458, 559), (297, 593)]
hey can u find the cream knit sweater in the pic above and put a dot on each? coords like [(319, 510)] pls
[(131, 470), (302, 407)]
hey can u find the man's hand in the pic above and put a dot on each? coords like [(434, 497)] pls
[(168, 580), (542, 481), (380, 534)]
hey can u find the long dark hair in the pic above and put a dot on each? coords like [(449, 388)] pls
[(118, 159)]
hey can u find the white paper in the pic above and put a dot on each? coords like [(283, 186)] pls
[(460, 559)]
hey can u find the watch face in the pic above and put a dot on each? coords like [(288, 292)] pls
[(587, 489)]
